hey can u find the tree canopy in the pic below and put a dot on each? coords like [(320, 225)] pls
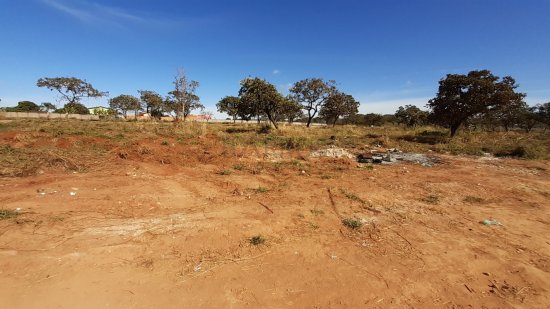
[(289, 109), (124, 103), (411, 116), (153, 102), (312, 93), (338, 105), (24, 106), (263, 96), (230, 106), (184, 98), (71, 89), (460, 97), (73, 108), (47, 106)]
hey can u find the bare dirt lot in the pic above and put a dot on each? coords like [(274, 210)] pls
[(161, 224)]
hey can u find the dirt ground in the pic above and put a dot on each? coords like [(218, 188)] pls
[(159, 231)]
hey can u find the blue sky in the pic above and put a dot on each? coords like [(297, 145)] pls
[(385, 53)]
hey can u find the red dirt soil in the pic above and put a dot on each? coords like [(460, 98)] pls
[(156, 233)]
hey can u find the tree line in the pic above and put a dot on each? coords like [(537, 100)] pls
[(478, 99), (179, 102), (307, 99)]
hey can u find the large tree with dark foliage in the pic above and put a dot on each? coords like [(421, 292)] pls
[(372, 119), (24, 106), (543, 113), (153, 102), (289, 109), (124, 103), (73, 108), (263, 96), (338, 105), (460, 97), (230, 106), (411, 116)]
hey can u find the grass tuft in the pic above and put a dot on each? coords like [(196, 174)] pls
[(260, 189), (352, 223), (352, 196), (8, 214), (257, 240), (473, 200)]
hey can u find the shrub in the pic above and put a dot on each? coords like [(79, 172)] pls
[(352, 223), (257, 240)]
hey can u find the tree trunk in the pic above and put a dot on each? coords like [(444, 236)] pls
[(454, 129), (273, 122)]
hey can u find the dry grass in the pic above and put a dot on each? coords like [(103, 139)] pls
[(29, 147)]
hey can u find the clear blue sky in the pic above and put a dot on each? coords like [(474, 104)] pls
[(384, 53)]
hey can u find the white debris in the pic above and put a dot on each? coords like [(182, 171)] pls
[(332, 152)]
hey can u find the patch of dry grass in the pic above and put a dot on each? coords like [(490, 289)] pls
[(26, 151)]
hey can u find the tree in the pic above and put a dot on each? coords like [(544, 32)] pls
[(171, 105), (153, 102), (71, 89), (508, 103), (124, 103), (390, 118), (373, 119), (73, 108), (230, 106), (207, 115), (47, 107), (460, 97), (411, 115), (543, 113), (289, 109), (263, 96), (338, 105), (527, 118), (312, 93), (184, 95), (24, 106)]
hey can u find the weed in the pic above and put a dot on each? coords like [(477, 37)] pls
[(317, 212), (352, 196), (473, 199), (431, 199), (260, 189), (313, 225), (257, 240), (8, 214), (265, 129), (164, 143), (239, 167), (224, 172), (367, 167), (144, 150), (352, 223), (294, 142)]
